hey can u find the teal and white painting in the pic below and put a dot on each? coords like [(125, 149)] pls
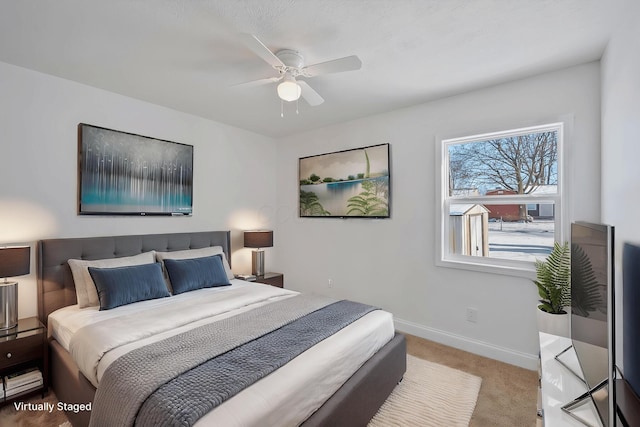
[(128, 174), (350, 183)]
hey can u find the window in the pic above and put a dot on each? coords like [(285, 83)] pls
[(501, 198)]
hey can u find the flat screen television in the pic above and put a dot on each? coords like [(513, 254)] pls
[(121, 173), (592, 314), (628, 387), (353, 183)]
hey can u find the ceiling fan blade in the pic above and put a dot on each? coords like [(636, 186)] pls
[(257, 47), (309, 94), (259, 82), (348, 63)]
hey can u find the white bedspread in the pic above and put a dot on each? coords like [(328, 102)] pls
[(286, 397)]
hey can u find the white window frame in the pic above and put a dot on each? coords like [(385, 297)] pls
[(444, 257)]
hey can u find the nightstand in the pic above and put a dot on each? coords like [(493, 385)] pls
[(22, 347), (273, 279)]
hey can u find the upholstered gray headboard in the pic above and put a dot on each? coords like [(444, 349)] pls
[(55, 282)]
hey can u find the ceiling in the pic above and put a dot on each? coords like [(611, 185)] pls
[(187, 55)]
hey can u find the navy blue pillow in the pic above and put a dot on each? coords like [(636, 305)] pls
[(125, 285), (195, 273)]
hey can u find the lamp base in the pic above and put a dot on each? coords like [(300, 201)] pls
[(257, 262), (8, 305)]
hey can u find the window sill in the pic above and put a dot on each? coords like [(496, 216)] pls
[(521, 269)]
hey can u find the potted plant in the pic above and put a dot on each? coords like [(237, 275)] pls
[(553, 279)]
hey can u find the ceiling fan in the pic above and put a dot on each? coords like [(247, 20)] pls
[(290, 66)]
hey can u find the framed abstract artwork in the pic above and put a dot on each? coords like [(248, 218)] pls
[(121, 173)]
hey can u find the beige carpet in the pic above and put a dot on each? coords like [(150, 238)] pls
[(9, 417), (430, 395), (508, 394)]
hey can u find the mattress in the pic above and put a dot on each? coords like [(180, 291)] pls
[(288, 396)]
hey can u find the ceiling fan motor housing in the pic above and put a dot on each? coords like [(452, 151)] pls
[(293, 61)]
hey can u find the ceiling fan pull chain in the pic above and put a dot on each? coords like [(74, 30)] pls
[(281, 108), (297, 106)]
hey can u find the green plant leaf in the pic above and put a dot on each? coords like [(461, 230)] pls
[(553, 279)]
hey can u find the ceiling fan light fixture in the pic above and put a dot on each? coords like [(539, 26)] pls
[(289, 90)]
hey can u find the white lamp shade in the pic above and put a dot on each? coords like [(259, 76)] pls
[(289, 90)]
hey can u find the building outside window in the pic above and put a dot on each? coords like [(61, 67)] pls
[(501, 197)]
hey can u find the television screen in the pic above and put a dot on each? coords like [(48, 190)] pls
[(121, 173), (631, 315), (345, 184), (591, 308)]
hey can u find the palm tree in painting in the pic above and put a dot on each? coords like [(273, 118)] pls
[(366, 174), (310, 206), (367, 203)]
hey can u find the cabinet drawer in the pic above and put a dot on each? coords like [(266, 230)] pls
[(21, 350), (273, 281)]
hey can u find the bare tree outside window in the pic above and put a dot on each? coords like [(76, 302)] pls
[(519, 164)]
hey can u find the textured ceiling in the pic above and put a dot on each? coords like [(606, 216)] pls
[(186, 54)]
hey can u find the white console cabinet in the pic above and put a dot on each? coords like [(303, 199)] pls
[(559, 386)]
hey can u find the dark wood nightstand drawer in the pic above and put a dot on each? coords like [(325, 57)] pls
[(273, 279), (16, 351)]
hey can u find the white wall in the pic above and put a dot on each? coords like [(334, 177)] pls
[(391, 263), (621, 141), (234, 170)]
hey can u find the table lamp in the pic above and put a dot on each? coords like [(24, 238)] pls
[(258, 239), (14, 261)]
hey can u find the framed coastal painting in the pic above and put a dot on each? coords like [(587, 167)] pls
[(353, 183), (122, 173)]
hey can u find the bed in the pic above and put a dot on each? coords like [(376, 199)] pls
[(351, 397)]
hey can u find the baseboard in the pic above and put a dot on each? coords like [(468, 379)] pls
[(513, 357)]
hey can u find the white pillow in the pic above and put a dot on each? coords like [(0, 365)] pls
[(86, 292), (197, 253)]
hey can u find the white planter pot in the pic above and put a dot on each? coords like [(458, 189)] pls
[(555, 324)]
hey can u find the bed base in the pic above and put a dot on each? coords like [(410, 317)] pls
[(358, 400), (69, 384), (354, 404)]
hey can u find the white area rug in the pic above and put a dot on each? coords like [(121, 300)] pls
[(430, 395)]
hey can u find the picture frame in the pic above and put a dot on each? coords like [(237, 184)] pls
[(353, 183), (121, 173)]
